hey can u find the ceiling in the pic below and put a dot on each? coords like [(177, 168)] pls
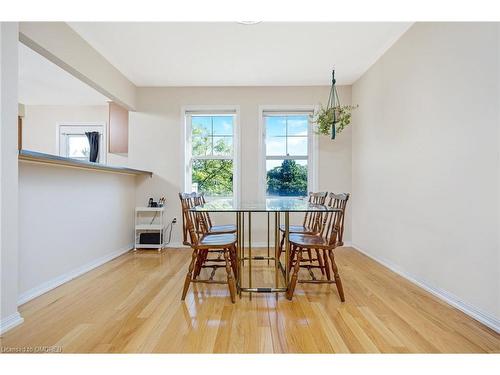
[(43, 83), (234, 54)]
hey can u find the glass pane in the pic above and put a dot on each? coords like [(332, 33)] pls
[(223, 146), (275, 146), (275, 126), (213, 177), (223, 125), (201, 125), (297, 146), (202, 146), (286, 177), (297, 125), (78, 146)]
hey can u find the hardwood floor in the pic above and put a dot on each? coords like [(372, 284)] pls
[(132, 304)]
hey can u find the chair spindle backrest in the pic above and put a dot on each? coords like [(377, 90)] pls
[(203, 201), (188, 217), (312, 220), (203, 222), (333, 223)]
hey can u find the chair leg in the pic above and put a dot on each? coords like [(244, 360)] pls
[(326, 265), (230, 278), (295, 275), (293, 250), (234, 261), (338, 282), (189, 274), (320, 261), (197, 265), (282, 242)]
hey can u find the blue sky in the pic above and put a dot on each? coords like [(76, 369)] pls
[(277, 127)]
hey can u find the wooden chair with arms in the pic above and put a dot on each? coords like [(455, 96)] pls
[(311, 225), (203, 243), (204, 226), (204, 219), (324, 243)]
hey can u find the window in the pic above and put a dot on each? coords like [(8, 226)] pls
[(73, 142), (210, 151), (77, 146), (287, 148)]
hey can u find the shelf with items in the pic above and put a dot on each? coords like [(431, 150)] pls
[(149, 223), (149, 209)]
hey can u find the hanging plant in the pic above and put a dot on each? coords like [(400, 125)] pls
[(326, 117), (335, 117)]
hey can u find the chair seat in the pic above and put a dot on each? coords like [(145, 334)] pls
[(308, 240), (218, 240), (229, 228), (296, 229)]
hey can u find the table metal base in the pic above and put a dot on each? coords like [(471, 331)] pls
[(242, 257)]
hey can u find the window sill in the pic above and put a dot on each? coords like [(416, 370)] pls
[(41, 158)]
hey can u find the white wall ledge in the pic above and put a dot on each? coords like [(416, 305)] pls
[(42, 158)]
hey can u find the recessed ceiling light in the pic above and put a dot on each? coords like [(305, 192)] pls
[(248, 22)]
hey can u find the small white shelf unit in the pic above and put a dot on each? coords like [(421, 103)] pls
[(149, 220)]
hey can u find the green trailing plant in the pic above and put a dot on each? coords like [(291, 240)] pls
[(335, 117), (339, 115)]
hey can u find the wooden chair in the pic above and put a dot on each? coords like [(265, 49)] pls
[(324, 243), (204, 243), (310, 225), (205, 222), (187, 202), (203, 225)]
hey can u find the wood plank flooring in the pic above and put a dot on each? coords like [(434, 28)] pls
[(132, 304)]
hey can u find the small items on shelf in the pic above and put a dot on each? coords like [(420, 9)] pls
[(160, 203)]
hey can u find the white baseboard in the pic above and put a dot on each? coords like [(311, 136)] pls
[(57, 281), (482, 317), (175, 245), (10, 322)]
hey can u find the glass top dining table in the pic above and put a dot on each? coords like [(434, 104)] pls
[(282, 204), (277, 206)]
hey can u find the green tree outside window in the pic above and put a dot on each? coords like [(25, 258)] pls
[(214, 177), (288, 179)]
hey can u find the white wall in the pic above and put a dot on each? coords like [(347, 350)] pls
[(64, 47), (40, 129), (425, 162), (9, 316), (156, 143), (70, 220)]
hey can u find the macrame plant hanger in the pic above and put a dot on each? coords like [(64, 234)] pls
[(333, 101)]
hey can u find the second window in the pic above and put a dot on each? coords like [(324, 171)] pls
[(286, 153)]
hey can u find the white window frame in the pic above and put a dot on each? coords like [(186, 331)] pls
[(312, 144), (63, 129), (210, 110)]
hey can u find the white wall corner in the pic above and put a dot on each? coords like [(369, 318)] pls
[(68, 276), (10, 322), (482, 317), (8, 175)]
